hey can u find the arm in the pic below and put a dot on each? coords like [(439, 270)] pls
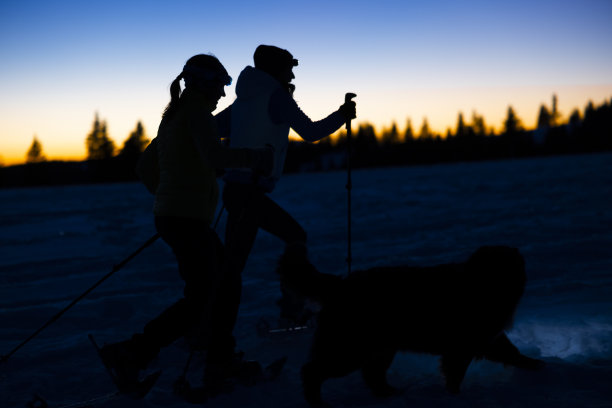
[(203, 130), (284, 109)]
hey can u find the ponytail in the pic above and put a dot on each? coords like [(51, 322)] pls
[(197, 68), (175, 94)]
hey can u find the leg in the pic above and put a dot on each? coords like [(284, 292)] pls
[(503, 351), (454, 367), (196, 248), (241, 202), (375, 372), (312, 380), (276, 221), (198, 251), (241, 230), (334, 353), (249, 209)]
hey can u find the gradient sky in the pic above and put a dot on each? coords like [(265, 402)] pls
[(63, 61)]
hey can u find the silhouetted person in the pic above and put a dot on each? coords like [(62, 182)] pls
[(262, 114), (189, 152)]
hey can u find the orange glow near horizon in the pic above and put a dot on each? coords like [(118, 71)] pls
[(440, 107)]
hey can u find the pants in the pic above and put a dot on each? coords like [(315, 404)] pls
[(201, 261), (249, 208)]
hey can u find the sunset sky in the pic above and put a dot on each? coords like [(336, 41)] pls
[(63, 61)]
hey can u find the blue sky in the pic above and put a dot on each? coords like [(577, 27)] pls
[(63, 61)]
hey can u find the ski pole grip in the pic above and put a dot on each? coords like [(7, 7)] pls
[(348, 96)]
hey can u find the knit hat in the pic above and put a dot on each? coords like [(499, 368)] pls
[(272, 59)]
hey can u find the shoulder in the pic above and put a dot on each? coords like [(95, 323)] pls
[(281, 106)]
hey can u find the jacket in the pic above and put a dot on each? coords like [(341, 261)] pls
[(261, 115), (187, 173)]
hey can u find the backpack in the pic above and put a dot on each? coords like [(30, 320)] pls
[(147, 168)]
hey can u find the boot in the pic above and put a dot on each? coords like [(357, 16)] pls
[(127, 358), (293, 308), (222, 373)]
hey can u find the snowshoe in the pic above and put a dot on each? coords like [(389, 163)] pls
[(124, 372), (283, 326), (248, 373)]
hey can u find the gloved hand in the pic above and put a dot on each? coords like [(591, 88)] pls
[(348, 110), (265, 161)]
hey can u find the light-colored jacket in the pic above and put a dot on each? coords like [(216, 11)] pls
[(262, 114)]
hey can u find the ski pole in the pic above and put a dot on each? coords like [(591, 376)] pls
[(349, 185), (75, 301), (218, 217)]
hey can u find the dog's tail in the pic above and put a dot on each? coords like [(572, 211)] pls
[(300, 276)]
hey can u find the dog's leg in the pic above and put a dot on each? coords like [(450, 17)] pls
[(454, 367), (503, 351), (312, 380), (374, 373)]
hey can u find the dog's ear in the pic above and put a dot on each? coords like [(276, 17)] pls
[(495, 257)]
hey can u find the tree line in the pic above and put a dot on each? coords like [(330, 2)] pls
[(589, 130), (99, 145), (104, 163)]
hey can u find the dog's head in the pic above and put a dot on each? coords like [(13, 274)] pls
[(300, 275), (496, 261)]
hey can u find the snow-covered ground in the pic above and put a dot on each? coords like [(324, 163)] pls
[(56, 242)]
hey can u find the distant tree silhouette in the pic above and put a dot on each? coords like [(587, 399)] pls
[(478, 125), (575, 118), (596, 130), (588, 129), (99, 145), (135, 143), (544, 118), (554, 115), (461, 129), (35, 153), (548, 118), (366, 136), (391, 136), (408, 133), (589, 112), (512, 124), (425, 132)]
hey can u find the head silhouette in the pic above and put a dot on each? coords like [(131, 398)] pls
[(202, 73), (277, 62)]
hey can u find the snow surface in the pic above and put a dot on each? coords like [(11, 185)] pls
[(56, 242)]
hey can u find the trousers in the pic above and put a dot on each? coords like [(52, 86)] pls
[(249, 209), (202, 262)]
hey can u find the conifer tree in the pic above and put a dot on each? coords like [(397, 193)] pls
[(512, 124), (136, 142), (35, 153), (460, 126), (408, 133), (425, 132), (391, 136), (544, 118), (478, 125), (99, 145)]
